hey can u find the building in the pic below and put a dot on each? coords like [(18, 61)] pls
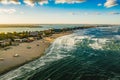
[(33, 33), (47, 33), (4, 43), (30, 39), (18, 40), (1, 43)]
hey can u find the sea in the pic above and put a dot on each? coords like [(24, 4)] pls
[(39, 27), (86, 54)]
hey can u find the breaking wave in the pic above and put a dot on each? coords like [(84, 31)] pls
[(85, 54)]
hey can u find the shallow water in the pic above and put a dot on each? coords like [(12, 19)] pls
[(89, 54)]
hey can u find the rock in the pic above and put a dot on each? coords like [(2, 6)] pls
[(1, 59), (16, 55)]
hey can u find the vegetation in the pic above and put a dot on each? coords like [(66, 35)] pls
[(7, 39)]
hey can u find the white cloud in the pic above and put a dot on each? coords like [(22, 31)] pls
[(110, 3), (4, 1), (99, 4), (30, 2), (14, 1), (41, 2), (33, 2), (69, 1), (9, 1), (7, 11)]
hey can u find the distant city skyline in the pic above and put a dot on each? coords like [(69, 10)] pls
[(59, 11)]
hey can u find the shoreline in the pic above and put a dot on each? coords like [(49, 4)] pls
[(26, 52)]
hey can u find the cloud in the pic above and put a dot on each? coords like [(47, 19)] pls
[(111, 3), (99, 4), (7, 11), (114, 13), (30, 2), (41, 2), (33, 2), (9, 1), (14, 1), (69, 1), (4, 2)]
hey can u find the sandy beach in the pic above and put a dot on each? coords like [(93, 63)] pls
[(25, 52)]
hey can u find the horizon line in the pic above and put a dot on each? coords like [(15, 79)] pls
[(56, 23)]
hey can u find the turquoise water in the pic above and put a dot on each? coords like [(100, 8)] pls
[(89, 54)]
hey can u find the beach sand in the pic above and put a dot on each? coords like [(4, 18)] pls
[(25, 52)]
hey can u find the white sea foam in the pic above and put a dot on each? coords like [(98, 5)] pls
[(58, 50), (54, 53), (117, 37), (99, 43)]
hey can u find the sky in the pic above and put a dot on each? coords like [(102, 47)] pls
[(59, 11)]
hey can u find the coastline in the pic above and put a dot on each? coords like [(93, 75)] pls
[(36, 50)]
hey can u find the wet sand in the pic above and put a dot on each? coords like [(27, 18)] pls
[(26, 52)]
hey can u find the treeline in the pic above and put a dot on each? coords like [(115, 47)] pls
[(14, 35), (14, 38), (25, 34)]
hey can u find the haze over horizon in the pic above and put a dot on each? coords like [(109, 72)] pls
[(59, 11)]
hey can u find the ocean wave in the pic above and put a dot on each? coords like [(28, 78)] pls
[(78, 51)]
